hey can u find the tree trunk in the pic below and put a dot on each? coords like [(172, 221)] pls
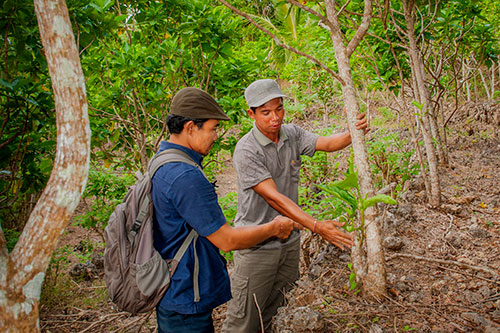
[(370, 271), (423, 97), (23, 270), (485, 84)]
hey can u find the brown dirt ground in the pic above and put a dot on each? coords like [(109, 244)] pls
[(445, 278)]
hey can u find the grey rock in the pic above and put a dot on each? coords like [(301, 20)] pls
[(376, 329), (345, 257), (477, 232), (485, 291), (302, 319), (394, 243), (85, 271), (496, 315), (452, 209), (415, 297), (491, 329), (401, 286), (476, 318), (98, 261), (456, 239), (472, 297)]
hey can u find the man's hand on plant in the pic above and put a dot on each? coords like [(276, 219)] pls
[(330, 231)]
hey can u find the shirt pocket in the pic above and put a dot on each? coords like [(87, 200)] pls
[(239, 291), (295, 169)]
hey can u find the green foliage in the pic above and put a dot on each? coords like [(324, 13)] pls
[(349, 193), (105, 189), (11, 236), (229, 205), (391, 160), (352, 277)]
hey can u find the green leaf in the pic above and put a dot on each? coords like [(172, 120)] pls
[(341, 194), (350, 181), (379, 198)]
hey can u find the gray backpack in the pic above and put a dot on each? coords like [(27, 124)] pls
[(136, 275)]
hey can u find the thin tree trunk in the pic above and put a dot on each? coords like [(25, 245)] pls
[(467, 84), (373, 283), (23, 270), (423, 95), (485, 84), (493, 80)]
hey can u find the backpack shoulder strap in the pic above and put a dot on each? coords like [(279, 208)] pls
[(169, 156)]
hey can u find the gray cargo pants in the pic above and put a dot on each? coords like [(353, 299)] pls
[(267, 273)]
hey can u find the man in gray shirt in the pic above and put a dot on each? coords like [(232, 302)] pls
[(267, 161)]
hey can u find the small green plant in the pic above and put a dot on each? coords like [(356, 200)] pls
[(354, 204), (390, 161), (408, 328), (229, 205), (105, 190), (352, 277)]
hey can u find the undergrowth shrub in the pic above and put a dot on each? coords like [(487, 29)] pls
[(229, 205), (105, 189), (391, 159)]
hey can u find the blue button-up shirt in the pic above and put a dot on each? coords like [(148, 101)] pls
[(184, 200)]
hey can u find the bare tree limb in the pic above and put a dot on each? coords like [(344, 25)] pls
[(279, 43), (483, 269), (323, 18)]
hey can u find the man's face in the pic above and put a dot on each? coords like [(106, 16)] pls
[(202, 139), (269, 116)]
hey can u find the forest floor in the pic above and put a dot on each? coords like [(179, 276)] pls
[(443, 265)]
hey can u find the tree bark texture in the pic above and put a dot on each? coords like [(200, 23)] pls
[(23, 270), (370, 270), (423, 97)]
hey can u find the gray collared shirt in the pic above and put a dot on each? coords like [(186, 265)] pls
[(257, 158)]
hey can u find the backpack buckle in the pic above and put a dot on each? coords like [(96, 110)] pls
[(136, 226)]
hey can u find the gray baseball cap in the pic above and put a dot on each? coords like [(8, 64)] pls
[(262, 91)]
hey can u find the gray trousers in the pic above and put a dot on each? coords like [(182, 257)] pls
[(265, 273)]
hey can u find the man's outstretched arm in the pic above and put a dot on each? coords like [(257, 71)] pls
[(327, 229), (229, 238)]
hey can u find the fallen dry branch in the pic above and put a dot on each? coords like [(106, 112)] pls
[(483, 269), (105, 320)]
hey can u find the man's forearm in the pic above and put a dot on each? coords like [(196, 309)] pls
[(285, 206)]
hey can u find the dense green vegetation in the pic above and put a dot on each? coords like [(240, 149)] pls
[(136, 55)]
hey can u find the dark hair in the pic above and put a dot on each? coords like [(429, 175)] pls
[(176, 123)]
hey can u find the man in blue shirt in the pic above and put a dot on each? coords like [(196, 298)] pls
[(185, 200)]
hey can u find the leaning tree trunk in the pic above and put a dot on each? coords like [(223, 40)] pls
[(23, 270), (368, 254), (423, 95)]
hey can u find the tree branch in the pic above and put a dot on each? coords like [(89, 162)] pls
[(323, 19), (279, 43), (483, 269)]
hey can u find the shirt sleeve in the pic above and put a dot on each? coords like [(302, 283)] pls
[(196, 201), (306, 141), (250, 167)]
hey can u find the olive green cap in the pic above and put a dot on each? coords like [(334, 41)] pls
[(195, 103)]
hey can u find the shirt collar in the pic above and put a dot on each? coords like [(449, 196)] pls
[(264, 140), (197, 157)]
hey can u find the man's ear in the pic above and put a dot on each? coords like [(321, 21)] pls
[(188, 127), (251, 114)]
